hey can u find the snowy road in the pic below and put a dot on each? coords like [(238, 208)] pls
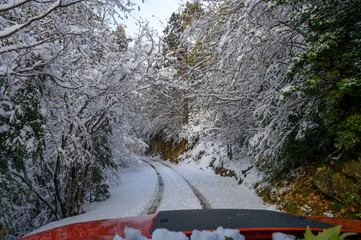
[(155, 185), (202, 200), (180, 192), (154, 203)]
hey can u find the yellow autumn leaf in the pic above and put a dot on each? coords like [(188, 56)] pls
[(3, 230)]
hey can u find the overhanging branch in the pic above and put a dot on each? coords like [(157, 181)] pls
[(17, 27)]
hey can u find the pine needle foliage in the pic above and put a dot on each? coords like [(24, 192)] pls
[(331, 65)]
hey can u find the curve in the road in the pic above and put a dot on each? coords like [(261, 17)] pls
[(201, 198), (158, 194)]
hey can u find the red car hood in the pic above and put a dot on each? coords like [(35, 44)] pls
[(101, 229), (253, 224)]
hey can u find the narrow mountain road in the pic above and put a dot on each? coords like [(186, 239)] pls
[(201, 198), (180, 193), (155, 185), (220, 192)]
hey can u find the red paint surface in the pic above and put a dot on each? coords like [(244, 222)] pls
[(97, 230), (346, 223), (107, 229)]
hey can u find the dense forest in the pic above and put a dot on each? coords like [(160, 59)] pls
[(275, 84)]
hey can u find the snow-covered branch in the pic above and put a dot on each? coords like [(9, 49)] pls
[(17, 27), (12, 4)]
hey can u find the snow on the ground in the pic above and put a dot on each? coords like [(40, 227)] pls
[(137, 186), (177, 193), (221, 192), (205, 153)]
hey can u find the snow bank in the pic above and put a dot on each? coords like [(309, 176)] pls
[(205, 154)]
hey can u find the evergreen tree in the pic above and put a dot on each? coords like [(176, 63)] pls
[(331, 66)]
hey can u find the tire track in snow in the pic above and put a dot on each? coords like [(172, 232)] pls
[(157, 196), (201, 198)]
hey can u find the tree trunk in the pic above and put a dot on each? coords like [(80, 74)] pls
[(185, 111)]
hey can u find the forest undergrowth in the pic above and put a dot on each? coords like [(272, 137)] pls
[(298, 195)]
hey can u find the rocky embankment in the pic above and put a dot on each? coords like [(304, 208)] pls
[(341, 178)]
